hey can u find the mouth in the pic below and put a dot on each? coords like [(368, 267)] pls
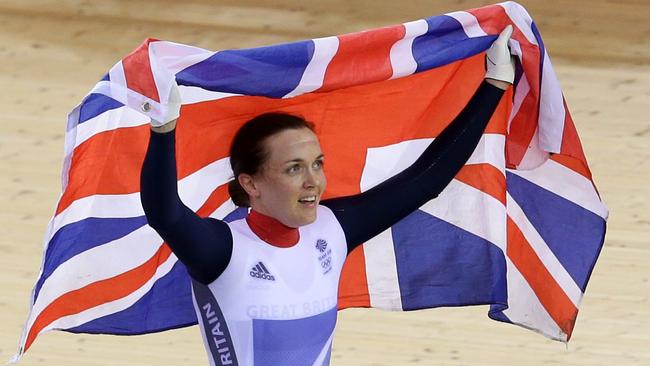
[(308, 200)]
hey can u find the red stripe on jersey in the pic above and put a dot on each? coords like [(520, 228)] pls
[(272, 231)]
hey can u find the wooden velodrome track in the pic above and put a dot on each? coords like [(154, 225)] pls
[(53, 51)]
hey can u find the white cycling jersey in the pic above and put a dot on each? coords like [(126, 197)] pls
[(272, 305)]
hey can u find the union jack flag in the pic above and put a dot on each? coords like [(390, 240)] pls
[(519, 228)]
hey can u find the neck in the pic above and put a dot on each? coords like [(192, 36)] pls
[(272, 231)]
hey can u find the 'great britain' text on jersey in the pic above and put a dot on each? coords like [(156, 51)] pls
[(218, 337)]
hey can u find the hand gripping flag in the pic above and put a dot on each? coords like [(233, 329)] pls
[(519, 228)]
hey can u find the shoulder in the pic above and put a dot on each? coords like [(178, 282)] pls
[(326, 224), (217, 224), (325, 213), (325, 217)]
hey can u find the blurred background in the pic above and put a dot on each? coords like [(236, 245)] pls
[(52, 52)]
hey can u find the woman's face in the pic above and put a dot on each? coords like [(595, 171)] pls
[(289, 185)]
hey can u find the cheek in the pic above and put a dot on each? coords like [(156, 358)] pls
[(284, 188), (323, 181)]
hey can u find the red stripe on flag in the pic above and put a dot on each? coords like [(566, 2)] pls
[(418, 106), (111, 161), (98, 293), (492, 19), (353, 286), (216, 199), (362, 57), (572, 163), (108, 163), (498, 123), (137, 71), (524, 123), (486, 178), (522, 127), (522, 130), (571, 145), (548, 291)]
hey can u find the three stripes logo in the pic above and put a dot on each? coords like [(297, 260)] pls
[(260, 271)]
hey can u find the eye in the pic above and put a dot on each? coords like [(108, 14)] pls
[(318, 164), (294, 169)]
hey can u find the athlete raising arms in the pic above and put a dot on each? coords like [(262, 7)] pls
[(265, 286)]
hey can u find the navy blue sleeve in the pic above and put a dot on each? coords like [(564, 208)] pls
[(203, 245), (367, 214)]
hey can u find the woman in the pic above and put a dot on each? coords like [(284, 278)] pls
[(265, 286)]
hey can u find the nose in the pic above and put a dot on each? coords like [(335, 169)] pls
[(312, 179)]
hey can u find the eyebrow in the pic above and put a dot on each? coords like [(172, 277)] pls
[(321, 156)]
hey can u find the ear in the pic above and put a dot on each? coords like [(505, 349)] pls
[(248, 183)]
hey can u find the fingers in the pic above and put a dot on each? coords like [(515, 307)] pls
[(174, 94), (505, 34), (172, 106), (500, 65)]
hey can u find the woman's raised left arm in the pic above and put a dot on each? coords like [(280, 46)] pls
[(367, 214)]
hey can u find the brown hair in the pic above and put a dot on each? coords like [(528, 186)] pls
[(248, 152)]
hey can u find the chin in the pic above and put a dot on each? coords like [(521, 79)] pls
[(304, 216), (311, 220), (306, 220)]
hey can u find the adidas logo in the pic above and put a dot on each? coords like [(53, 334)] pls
[(260, 271)]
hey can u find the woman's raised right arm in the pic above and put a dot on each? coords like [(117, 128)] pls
[(203, 245)]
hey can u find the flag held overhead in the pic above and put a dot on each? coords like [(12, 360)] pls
[(499, 234)]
